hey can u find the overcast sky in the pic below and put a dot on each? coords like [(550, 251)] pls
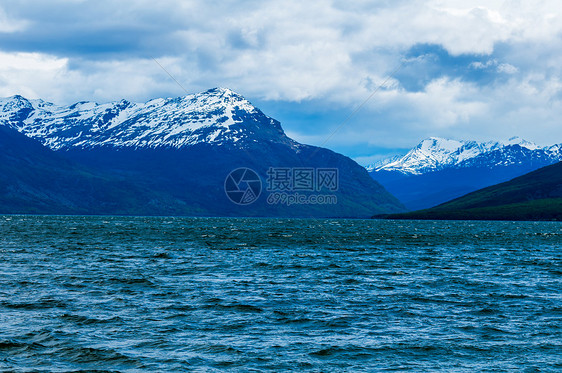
[(466, 69)]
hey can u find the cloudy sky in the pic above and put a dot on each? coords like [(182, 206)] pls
[(459, 69)]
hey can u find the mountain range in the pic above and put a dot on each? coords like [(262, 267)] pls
[(216, 117), (533, 196), (438, 170), (163, 157)]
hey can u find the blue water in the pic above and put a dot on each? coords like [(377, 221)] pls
[(182, 294)]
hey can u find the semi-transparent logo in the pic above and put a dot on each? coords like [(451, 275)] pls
[(284, 185), (243, 186)]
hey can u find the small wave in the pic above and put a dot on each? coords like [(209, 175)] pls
[(180, 307), (486, 311), (39, 305), (238, 307), (11, 344), (162, 255), (246, 308), (295, 320), (132, 281), (101, 356), (84, 320), (45, 337), (217, 349), (353, 352)]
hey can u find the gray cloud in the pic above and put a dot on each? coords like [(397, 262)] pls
[(320, 55)]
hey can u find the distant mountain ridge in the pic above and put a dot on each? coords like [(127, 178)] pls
[(438, 170), (435, 154)]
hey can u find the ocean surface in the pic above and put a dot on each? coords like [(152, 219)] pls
[(136, 294)]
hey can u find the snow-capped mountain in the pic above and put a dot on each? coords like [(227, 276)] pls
[(218, 116), (434, 154), (166, 156), (438, 170)]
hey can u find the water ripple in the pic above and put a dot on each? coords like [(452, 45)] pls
[(130, 294)]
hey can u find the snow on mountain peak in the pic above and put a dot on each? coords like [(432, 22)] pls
[(434, 153), (433, 143), (218, 116), (516, 140), (14, 103)]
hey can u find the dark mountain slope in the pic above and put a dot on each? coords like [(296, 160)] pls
[(36, 180)]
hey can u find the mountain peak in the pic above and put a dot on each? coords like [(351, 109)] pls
[(15, 102), (14, 108), (439, 143), (222, 91), (227, 94), (17, 97), (516, 140)]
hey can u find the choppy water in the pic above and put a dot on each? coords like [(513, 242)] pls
[(181, 294)]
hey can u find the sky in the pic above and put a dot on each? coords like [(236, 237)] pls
[(368, 79)]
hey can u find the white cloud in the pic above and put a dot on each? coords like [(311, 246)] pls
[(331, 52), (27, 73), (447, 103), (493, 63), (36, 75), (507, 68), (483, 65), (9, 25), (296, 50)]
